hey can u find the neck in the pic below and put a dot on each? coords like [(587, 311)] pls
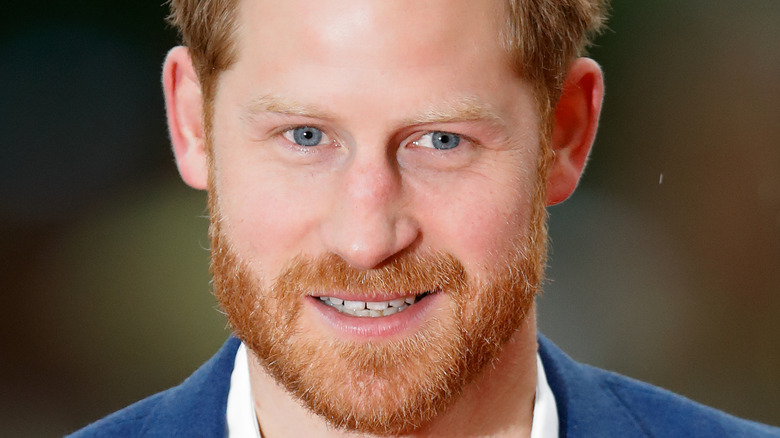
[(499, 402)]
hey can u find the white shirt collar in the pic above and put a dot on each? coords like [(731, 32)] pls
[(241, 418), (545, 422), (242, 421)]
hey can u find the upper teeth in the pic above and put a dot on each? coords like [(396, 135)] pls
[(369, 308)]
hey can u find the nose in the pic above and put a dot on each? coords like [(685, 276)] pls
[(369, 220)]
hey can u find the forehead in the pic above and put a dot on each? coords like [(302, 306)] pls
[(384, 34), (375, 62)]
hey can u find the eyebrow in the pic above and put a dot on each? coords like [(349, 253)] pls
[(464, 109), (282, 106)]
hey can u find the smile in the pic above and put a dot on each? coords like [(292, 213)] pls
[(373, 309)]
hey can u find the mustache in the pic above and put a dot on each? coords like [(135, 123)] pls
[(407, 273)]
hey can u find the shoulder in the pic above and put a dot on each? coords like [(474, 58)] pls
[(663, 413), (594, 402), (124, 423), (196, 407)]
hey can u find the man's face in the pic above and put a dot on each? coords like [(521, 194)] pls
[(375, 152)]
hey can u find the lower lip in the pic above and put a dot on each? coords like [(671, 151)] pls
[(377, 328)]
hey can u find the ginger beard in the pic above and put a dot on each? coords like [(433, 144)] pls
[(388, 387)]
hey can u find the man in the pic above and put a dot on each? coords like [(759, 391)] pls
[(378, 174)]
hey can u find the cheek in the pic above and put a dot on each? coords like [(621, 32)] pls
[(268, 209), (479, 220), (268, 215)]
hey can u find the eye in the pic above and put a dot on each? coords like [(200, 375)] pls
[(438, 140), (306, 136)]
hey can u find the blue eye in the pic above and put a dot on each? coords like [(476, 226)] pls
[(438, 140), (306, 136), (444, 140)]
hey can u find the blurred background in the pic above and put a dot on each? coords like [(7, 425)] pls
[(665, 265)]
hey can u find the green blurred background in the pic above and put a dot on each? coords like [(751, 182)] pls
[(665, 264)]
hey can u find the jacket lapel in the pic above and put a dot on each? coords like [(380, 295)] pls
[(196, 408), (587, 407)]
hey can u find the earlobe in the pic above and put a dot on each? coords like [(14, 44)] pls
[(575, 124), (184, 108)]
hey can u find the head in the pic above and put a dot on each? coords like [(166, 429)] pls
[(376, 151)]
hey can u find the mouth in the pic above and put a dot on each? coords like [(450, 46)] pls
[(373, 309)]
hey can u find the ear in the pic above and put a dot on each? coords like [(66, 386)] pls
[(184, 107), (576, 120)]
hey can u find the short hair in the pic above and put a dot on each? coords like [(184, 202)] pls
[(543, 37)]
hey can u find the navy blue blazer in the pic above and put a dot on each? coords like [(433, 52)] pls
[(591, 403)]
